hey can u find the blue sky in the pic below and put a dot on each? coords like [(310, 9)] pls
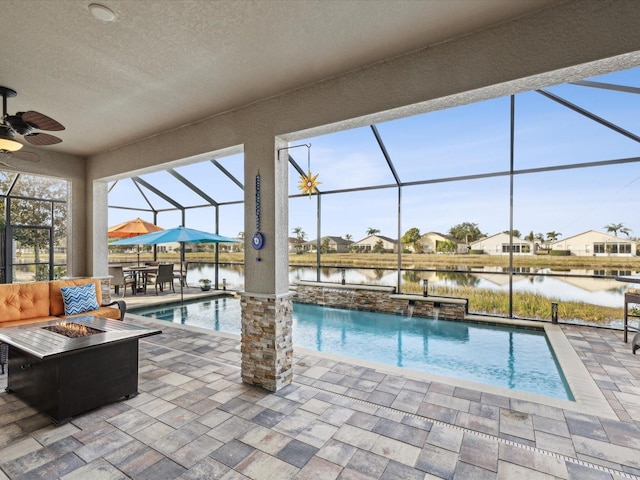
[(467, 140)]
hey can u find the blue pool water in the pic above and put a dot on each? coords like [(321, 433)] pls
[(509, 357)]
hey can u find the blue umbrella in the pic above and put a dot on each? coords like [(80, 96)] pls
[(179, 234)]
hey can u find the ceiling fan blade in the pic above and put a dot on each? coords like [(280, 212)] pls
[(26, 156), (42, 139), (42, 122)]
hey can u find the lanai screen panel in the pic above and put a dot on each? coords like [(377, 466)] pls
[(344, 160), (465, 140), (548, 134)]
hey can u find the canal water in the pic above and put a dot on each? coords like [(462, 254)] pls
[(588, 286)]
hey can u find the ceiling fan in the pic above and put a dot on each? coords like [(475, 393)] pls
[(25, 124)]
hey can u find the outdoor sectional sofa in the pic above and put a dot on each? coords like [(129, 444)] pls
[(24, 303)]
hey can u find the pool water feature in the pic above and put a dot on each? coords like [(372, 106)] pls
[(504, 356)]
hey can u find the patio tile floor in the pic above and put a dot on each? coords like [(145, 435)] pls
[(195, 419)]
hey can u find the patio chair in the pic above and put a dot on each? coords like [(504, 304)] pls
[(182, 274), (151, 276), (164, 276), (119, 279)]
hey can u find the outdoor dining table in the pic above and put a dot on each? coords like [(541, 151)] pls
[(141, 275)]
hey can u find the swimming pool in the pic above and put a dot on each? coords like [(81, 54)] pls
[(508, 357)]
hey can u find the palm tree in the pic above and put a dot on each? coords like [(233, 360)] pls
[(552, 236), (617, 227), (348, 236), (299, 233), (300, 236), (372, 231)]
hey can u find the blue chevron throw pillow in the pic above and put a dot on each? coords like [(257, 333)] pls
[(79, 299)]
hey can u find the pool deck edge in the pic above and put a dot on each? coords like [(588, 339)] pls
[(584, 388)]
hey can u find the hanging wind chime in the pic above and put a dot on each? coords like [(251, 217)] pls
[(308, 184)]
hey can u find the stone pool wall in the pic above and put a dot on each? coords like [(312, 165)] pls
[(379, 299)]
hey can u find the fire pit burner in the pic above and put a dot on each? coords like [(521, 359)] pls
[(72, 330)]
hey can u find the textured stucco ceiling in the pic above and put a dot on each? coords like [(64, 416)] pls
[(164, 63)]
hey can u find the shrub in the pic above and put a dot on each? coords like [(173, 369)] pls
[(559, 253)]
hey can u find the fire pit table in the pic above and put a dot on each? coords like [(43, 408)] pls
[(63, 376)]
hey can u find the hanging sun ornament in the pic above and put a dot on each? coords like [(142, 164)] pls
[(308, 184)]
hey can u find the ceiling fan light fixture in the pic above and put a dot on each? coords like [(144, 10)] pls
[(102, 13), (7, 142)]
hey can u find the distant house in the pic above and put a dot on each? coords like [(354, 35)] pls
[(594, 243), (335, 244), (190, 247), (168, 247), (296, 245), (367, 245), (431, 240), (500, 244)]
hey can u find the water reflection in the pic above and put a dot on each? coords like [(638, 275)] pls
[(578, 284), (590, 286)]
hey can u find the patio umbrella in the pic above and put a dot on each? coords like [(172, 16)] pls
[(181, 235), (132, 228)]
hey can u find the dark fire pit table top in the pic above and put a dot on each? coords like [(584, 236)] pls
[(35, 340)]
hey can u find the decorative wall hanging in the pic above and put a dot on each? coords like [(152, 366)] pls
[(308, 184), (257, 241)]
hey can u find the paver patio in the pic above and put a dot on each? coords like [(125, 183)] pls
[(194, 418)]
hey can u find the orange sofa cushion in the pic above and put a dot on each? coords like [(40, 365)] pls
[(55, 294), (106, 312), (22, 301), (26, 321)]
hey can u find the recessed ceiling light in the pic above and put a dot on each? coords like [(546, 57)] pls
[(102, 13)]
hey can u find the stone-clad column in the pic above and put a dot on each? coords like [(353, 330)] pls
[(267, 345)]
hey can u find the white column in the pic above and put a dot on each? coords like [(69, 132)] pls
[(267, 346), (97, 218)]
